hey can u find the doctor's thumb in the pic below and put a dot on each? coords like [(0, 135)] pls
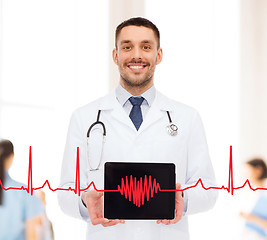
[(99, 194)]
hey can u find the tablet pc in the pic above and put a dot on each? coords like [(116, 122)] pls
[(136, 191)]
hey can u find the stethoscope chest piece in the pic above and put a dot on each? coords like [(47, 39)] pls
[(172, 129)]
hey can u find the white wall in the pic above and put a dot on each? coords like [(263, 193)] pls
[(55, 58), (253, 118), (200, 67)]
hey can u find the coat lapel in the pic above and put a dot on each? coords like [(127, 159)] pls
[(111, 103), (157, 111)]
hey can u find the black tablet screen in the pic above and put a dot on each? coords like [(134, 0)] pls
[(137, 182)]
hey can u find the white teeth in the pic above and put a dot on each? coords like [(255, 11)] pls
[(136, 67)]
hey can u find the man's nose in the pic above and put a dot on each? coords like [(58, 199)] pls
[(137, 53)]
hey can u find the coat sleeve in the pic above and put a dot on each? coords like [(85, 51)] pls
[(199, 166), (70, 202)]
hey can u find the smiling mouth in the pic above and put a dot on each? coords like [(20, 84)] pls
[(137, 67)]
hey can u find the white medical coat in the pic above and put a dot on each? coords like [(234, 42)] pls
[(151, 143)]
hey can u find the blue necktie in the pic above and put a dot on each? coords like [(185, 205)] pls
[(136, 114)]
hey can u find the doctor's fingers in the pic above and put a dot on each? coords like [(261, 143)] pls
[(164, 221), (176, 219), (178, 213), (179, 204), (96, 221), (168, 222), (112, 223), (178, 194)]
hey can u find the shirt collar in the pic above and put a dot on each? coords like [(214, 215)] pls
[(123, 95)]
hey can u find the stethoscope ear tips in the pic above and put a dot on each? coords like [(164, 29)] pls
[(172, 129)]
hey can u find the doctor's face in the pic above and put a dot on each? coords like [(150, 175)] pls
[(137, 54)]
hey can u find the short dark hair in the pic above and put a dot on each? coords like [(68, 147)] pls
[(140, 22), (256, 163)]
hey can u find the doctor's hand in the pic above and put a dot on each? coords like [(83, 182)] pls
[(94, 203), (179, 208)]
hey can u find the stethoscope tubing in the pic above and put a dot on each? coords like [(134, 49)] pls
[(172, 129), (95, 123)]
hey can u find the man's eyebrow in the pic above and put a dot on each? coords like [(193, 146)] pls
[(125, 41), (147, 41), (129, 41)]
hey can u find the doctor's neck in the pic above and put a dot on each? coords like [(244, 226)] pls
[(136, 89)]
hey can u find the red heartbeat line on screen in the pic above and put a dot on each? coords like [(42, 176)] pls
[(132, 189), (138, 189)]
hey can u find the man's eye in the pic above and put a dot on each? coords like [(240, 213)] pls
[(127, 47), (147, 47)]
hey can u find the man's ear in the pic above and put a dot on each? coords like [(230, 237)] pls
[(159, 56), (115, 56)]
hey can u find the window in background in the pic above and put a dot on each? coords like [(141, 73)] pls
[(200, 67), (54, 59)]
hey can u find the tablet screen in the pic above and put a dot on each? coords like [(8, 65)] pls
[(138, 192)]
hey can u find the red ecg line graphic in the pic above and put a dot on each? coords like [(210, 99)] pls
[(138, 189), (132, 189)]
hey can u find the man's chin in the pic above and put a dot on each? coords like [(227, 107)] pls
[(137, 83)]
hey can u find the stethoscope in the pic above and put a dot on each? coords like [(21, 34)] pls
[(172, 129)]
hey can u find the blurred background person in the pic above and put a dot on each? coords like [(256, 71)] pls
[(45, 228), (19, 211), (256, 217)]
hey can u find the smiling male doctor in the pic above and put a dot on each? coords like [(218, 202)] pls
[(135, 116)]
